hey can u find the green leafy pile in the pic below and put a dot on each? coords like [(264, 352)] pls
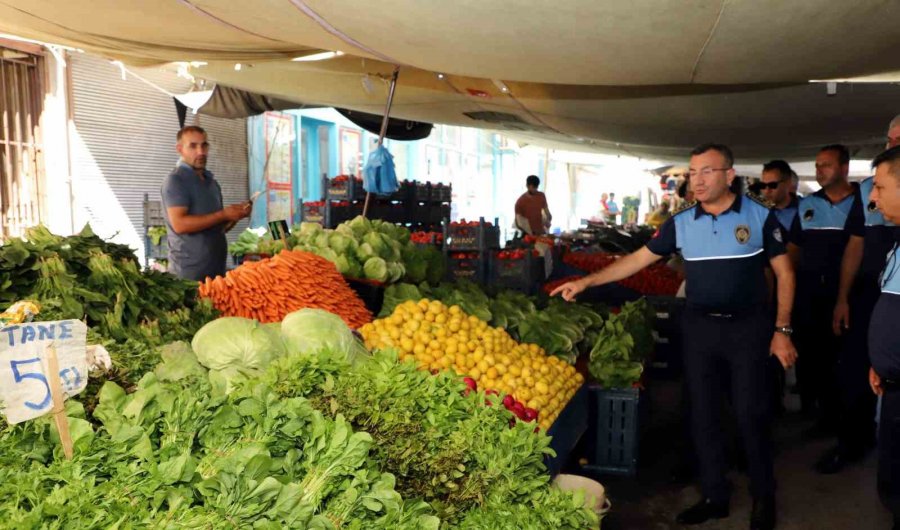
[(625, 342), (85, 277), (371, 250), (443, 446), (171, 456)]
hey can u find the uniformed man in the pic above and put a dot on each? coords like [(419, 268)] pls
[(884, 341), (828, 222), (726, 240), (775, 186), (858, 293)]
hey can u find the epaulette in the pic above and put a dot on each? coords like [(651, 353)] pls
[(684, 207), (760, 200)]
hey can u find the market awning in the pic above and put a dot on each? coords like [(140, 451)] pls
[(607, 76)]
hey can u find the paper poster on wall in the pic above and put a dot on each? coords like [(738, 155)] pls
[(351, 152), (279, 140), (278, 206)]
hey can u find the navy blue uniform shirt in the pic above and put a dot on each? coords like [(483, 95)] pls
[(823, 228), (879, 236), (725, 255), (787, 214), (884, 341)]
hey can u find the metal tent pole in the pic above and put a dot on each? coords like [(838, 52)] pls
[(384, 126)]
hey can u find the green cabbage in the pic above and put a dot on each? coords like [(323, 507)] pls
[(310, 331), (365, 252), (360, 226), (234, 342), (310, 230), (376, 269)]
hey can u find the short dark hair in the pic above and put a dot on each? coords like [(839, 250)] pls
[(611, 195), (841, 150), (532, 180), (782, 167), (891, 157), (189, 129), (719, 148)]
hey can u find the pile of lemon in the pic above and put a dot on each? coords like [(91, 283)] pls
[(445, 338)]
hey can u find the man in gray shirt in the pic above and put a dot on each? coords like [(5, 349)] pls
[(196, 220)]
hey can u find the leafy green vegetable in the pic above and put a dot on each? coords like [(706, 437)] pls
[(312, 330)]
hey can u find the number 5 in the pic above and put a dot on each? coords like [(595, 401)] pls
[(31, 375)]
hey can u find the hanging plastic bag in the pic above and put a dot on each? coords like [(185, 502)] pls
[(379, 176)]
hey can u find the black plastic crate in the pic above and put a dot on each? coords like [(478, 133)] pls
[(345, 190), (420, 192), (472, 268), (312, 212), (336, 214), (483, 236), (614, 434), (669, 310), (524, 274), (568, 429), (371, 293)]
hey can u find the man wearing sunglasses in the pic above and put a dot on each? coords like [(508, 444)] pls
[(775, 187)]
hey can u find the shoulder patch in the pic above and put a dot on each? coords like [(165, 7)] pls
[(684, 207), (759, 200)]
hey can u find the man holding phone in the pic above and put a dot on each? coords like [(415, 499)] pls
[(196, 220)]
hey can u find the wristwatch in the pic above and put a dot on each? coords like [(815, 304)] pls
[(786, 330)]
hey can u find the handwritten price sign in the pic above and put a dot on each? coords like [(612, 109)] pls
[(25, 384)]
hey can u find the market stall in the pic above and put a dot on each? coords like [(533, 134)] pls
[(248, 400)]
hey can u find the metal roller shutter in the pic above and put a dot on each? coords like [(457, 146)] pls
[(123, 146)]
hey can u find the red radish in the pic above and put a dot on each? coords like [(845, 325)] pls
[(470, 383), (518, 409), (509, 401), (512, 423), (530, 414), (491, 392)]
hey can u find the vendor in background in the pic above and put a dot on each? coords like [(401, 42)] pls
[(612, 209), (196, 219), (659, 216), (532, 213), (604, 205)]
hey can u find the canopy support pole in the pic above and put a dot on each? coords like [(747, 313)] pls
[(384, 126)]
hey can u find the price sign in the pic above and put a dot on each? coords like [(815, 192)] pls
[(25, 361)]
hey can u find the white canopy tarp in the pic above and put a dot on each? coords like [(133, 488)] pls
[(644, 77)]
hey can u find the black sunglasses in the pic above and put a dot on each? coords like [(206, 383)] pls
[(769, 185)]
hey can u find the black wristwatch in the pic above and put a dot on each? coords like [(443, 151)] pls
[(786, 330)]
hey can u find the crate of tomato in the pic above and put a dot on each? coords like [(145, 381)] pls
[(313, 212), (440, 193), (427, 239), (519, 269), (466, 266), (472, 235), (345, 188)]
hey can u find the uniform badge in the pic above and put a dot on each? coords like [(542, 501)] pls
[(873, 207), (742, 234), (808, 215)]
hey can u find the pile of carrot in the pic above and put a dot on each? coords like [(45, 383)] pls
[(269, 289)]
